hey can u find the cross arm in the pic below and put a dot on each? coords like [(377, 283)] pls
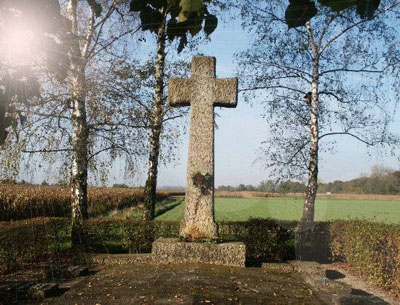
[(226, 92), (180, 92)]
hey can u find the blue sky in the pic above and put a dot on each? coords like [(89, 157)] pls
[(241, 131)]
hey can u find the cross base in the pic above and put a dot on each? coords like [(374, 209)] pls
[(199, 229), (171, 250)]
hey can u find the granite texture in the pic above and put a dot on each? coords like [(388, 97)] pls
[(122, 259), (171, 250), (203, 91)]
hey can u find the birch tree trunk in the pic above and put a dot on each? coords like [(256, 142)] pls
[(156, 126), (79, 170), (312, 186)]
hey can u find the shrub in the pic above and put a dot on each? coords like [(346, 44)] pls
[(313, 242), (373, 249), (133, 236), (265, 239), (30, 241)]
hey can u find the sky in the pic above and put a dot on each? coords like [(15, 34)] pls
[(241, 131)]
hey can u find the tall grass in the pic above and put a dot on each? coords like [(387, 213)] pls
[(28, 201)]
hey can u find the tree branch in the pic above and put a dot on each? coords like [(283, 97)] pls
[(47, 150), (350, 134), (272, 87), (350, 70)]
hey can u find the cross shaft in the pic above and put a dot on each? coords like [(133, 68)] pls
[(203, 91)]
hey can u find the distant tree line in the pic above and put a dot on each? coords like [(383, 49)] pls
[(268, 186), (380, 181)]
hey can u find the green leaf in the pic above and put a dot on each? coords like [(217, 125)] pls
[(211, 23), (194, 23), (151, 19), (175, 29), (158, 3), (137, 5), (188, 7), (173, 8), (191, 5), (195, 29), (338, 5), (367, 8), (299, 12), (97, 8), (182, 43), (3, 135)]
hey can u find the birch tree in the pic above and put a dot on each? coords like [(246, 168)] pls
[(172, 19), (333, 76), (18, 47), (69, 119)]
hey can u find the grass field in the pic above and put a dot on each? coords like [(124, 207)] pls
[(290, 208)]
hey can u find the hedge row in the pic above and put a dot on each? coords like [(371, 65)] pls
[(371, 248), (265, 239), (30, 241), (23, 202)]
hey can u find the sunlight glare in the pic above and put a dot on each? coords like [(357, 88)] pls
[(19, 44)]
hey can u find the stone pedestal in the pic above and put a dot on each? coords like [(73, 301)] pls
[(171, 250)]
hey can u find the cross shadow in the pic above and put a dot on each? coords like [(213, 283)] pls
[(373, 299), (361, 292), (334, 275)]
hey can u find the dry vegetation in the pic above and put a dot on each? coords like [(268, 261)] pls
[(27, 201), (361, 197)]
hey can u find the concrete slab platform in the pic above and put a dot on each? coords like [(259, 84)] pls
[(172, 250)]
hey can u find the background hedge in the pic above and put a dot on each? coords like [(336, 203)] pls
[(373, 249), (31, 241)]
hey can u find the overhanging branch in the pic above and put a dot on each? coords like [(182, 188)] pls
[(351, 135)]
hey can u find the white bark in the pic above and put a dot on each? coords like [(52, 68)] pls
[(79, 169), (156, 127), (312, 186)]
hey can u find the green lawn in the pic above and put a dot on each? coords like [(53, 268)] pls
[(290, 208)]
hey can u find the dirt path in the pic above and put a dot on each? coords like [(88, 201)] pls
[(188, 284), (340, 273)]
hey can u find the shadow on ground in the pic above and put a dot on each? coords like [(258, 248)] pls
[(189, 284), (336, 275)]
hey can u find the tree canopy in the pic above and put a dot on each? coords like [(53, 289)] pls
[(300, 11), (186, 16)]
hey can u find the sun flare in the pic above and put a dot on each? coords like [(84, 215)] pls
[(19, 45)]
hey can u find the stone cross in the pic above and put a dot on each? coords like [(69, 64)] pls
[(203, 91)]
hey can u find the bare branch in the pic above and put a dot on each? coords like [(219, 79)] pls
[(351, 135), (47, 150), (273, 87)]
